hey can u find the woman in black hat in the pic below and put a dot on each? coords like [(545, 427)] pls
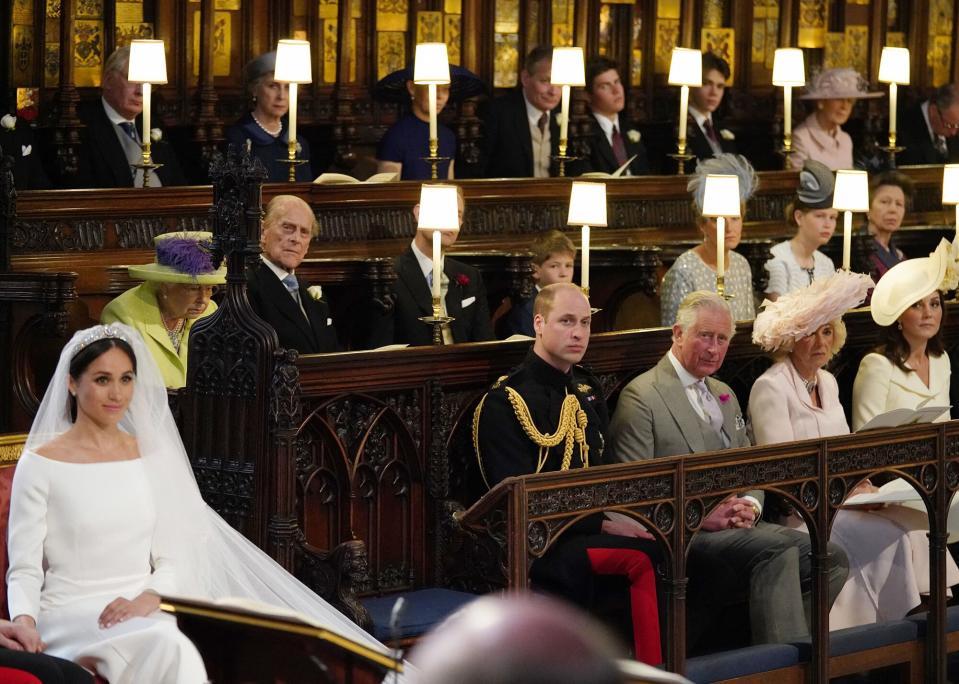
[(264, 128), (407, 141)]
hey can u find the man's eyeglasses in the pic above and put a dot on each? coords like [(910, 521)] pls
[(951, 125)]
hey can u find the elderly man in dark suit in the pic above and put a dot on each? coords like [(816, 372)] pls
[(300, 318), (928, 130), (705, 135), (677, 408), (464, 296), (612, 139), (111, 140), (520, 134)]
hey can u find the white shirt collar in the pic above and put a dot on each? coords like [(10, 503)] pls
[(278, 271), (606, 124), (112, 114), (533, 114), (699, 117), (925, 115), (685, 377), (425, 262)]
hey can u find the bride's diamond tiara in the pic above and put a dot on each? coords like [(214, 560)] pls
[(99, 332)]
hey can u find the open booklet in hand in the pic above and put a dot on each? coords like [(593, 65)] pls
[(615, 174), (905, 416), (335, 178)]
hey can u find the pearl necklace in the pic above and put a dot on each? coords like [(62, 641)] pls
[(176, 334), (810, 384), (275, 134)]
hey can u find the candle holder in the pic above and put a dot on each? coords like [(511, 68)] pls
[(431, 67), (147, 66), (433, 159), (562, 159), (686, 71), (437, 320), (891, 150), (789, 71), (438, 212), (681, 159), (721, 199), (294, 66), (567, 69)]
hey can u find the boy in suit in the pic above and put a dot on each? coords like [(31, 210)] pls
[(464, 299), (552, 262), (705, 135), (300, 318)]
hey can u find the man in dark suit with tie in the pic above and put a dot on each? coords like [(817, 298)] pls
[(520, 133), (300, 318), (928, 130), (705, 135), (677, 408), (411, 298), (612, 139), (111, 140)]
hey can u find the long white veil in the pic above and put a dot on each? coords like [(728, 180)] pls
[(212, 560)]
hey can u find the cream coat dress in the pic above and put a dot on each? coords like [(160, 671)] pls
[(888, 549)]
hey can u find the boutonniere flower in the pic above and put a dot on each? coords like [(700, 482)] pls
[(462, 279), (156, 135), (8, 121), (726, 134), (723, 398), (26, 150), (316, 291), (299, 147), (633, 135)]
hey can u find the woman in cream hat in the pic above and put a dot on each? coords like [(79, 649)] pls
[(820, 137), (797, 262), (176, 292), (797, 399), (910, 367)]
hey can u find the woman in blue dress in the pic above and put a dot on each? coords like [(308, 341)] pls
[(264, 128)]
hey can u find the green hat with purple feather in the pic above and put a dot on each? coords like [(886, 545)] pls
[(182, 257)]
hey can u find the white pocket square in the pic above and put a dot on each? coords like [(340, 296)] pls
[(466, 302), (26, 150), (329, 321)]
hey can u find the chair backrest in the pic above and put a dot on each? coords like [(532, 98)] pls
[(11, 446)]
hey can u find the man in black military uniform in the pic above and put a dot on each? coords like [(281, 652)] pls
[(550, 395)]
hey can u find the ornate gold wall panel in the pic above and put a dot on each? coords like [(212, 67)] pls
[(390, 52), (391, 15), (453, 36), (939, 54), (812, 24), (562, 13), (713, 11), (636, 56), (765, 38), (667, 33), (857, 48), (222, 42), (22, 44), (506, 58), (722, 42), (834, 54)]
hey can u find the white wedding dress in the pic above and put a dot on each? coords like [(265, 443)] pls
[(81, 535)]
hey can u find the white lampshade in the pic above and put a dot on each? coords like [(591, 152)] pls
[(721, 197), (293, 61), (432, 64), (439, 207), (789, 69), (950, 184), (147, 62), (852, 191), (587, 204), (568, 67), (894, 65), (686, 67)]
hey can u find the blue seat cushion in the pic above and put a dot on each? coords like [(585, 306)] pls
[(922, 620), (863, 638), (740, 662), (423, 609)]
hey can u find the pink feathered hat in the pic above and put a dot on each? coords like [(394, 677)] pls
[(802, 312)]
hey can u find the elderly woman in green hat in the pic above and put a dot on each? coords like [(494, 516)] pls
[(175, 293)]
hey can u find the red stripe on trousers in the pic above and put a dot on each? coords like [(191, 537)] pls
[(638, 569)]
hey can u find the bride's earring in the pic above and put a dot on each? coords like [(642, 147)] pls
[(899, 325)]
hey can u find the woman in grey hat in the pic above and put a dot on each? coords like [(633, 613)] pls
[(797, 262), (264, 128)]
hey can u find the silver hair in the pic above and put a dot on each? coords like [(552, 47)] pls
[(119, 61), (724, 164), (695, 301)]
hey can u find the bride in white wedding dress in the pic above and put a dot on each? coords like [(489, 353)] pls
[(105, 516)]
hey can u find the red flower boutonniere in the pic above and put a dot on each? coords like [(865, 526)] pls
[(723, 398), (462, 279)]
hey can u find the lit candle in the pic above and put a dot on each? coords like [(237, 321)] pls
[(893, 96), (146, 117), (683, 108), (437, 263), (846, 239), (293, 116), (787, 111), (720, 246), (584, 277), (564, 122), (432, 98)]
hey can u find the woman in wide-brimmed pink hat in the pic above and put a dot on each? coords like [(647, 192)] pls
[(820, 136)]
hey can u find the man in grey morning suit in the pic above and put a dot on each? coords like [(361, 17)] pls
[(676, 408)]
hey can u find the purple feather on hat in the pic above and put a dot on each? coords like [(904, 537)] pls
[(191, 257)]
